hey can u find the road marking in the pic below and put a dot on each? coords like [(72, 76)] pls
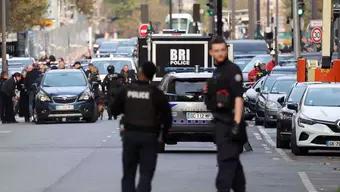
[(272, 144), (104, 141), (257, 136), (109, 136), (5, 132), (306, 182)]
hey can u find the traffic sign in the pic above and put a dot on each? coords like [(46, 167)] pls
[(316, 35), (143, 30)]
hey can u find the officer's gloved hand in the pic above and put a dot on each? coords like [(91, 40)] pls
[(235, 129)]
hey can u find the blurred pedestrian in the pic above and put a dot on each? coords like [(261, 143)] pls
[(61, 64), (8, 88), (271, 64), (224, 99), (89, 69), (112, 84), (3, 78), (128, 75), (95, 81), (142, 130), (23, 104), (31, 83)]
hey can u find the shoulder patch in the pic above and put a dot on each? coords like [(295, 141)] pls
[(238, 78)]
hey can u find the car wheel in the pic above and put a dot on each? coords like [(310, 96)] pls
[(258, 121), (266, 124), (296, 150), (279, 142), (94, 117)]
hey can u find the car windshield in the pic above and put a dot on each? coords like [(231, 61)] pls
[(242, 62), (284, 71), (118, 64), (323, 97), (248, 48), (268, 84), (282, 87), (257, 59), (296, 94), (110, 46), (125, 50), (187, 86), (64, 79)]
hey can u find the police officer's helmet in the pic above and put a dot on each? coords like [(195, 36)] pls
[(110, 69)]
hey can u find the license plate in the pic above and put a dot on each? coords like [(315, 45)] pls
[(199, 116), (333, 143), (64, 107)]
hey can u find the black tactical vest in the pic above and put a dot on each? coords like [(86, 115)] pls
[(139, 107)]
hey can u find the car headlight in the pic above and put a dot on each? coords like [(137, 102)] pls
[(245, 98), (303, 120), (86, 95), (42, 96), (272, 105)]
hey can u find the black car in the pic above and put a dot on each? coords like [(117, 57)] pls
[(284, 121), (250, 97), (65, 95), (267, 105), (192, 122)]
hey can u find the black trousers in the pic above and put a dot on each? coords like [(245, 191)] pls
[(230, 171), (139, 149), (8, 111)]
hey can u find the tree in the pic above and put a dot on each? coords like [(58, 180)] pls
[(24, 14), (85, 7)]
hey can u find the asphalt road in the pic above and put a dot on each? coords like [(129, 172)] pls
[(81, 157)]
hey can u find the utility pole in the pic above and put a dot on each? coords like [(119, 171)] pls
[(276, 32), (4, 36), (268, 13), (233, 19), (297, 35), (258, 20), (314, 9), (170, 14), (252, 19), (219, 8), (327, 33)]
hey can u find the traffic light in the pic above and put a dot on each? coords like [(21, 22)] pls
[(301, 7), (211, 8)]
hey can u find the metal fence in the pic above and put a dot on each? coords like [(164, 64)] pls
[(60, 42)]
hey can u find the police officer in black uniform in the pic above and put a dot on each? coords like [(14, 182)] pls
[(112, 84), (147, 117), (224, 99)]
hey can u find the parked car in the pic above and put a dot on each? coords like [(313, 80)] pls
[(65, 95), (192, 122), (316, 124), (284, 70), (107, 48), (250, 97), (284, 121), (117, 62), (267, 106)]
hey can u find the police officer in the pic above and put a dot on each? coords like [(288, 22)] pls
[(146, 110), (112, 84), (224, 99)]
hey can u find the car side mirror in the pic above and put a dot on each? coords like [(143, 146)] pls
[(293, 106), (258, 89), (281, 100)]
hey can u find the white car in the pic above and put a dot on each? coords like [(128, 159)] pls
[(316, 125), (117, 62)]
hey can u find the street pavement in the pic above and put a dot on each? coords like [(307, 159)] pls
[(80, 157)]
